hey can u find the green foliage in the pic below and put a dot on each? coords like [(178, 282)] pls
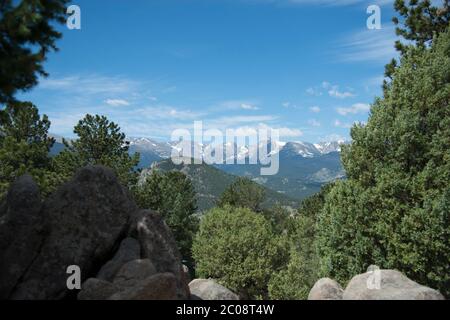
[(172, 195), (243, 193), (279, 218), (419, 22), (24, 146), (27, 34), (100, 142), (296, 280), (393, 210), (238, 248)]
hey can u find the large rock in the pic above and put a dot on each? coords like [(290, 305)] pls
[(159, 246), (202, 289), (87, 217), (129, 250), (96, 289), (22, 230), (326, 289), (161, 286), (387, 285), (135, 271)]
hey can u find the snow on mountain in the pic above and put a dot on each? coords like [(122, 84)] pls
[(162, 150)]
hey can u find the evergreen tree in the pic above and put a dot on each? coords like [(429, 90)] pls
[(99, 142), (419, 22), (393, 210), (27, 34), (25, 146), (243, 193), (172, 194)]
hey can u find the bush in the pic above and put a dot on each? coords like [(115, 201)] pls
[(243, 193), (296, 280), (237, 247)]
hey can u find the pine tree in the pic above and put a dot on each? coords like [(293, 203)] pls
[(393, 209), (99, 142), (25, 146), (418, 23), (27, 35), (172, 194)]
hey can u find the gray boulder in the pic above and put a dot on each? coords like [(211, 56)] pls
[(129, 250), (326, 289), (96, 289), (387, 285), (22, 230), (202, 289), (87, 217), (161, 286), (135, 271), (159, 246)]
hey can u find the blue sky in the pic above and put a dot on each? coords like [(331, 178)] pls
[(309, 68)]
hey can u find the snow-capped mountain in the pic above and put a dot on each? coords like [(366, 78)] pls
[(304, 167), (152, 150), (328, 147)]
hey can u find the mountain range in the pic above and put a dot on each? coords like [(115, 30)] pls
[(303, 168)]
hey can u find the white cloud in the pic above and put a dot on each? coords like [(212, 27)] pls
[(90, 84), (313, 92), (247, 106), (369, 45), (288, 132), (117, 102), (314, 123), (339, 124), (283, 131), (238, 104), (333, 91), (354, 109), (289, 105), (332, 138), (315, 109)]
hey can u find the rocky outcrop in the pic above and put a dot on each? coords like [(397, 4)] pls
[(96, 289), (375, 284), (393, 285), (161, 286), (93, 223), (326, 289), (159, 246), (87, 218), (129, 250), (136, 280), (202, 289), (22, 230)]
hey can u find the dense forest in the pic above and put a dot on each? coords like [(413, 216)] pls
[(392, 210)]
